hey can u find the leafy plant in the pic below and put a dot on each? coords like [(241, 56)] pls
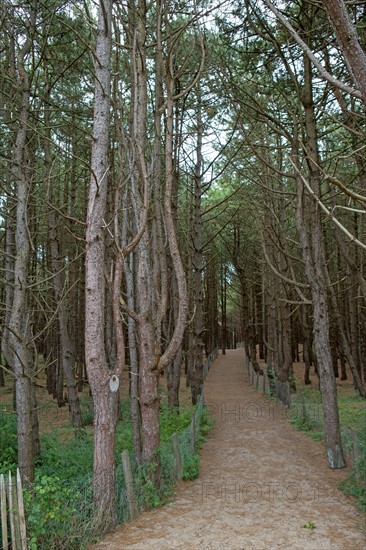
[(8, 443), (52, 512), (147, 491), (191, 466)]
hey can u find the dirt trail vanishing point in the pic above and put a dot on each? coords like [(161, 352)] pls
[(260, 483)]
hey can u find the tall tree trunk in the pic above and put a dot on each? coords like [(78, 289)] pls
[(223, 310), (307, 344), (313, 256), (9, 279), (174, 380), (211, 309), (19, 322), (198, 259), (105, 397), (313, 251), (9, 248), (134, 364), (148, 378), (66, 351)]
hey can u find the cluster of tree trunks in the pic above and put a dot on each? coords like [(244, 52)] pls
[(131, 244)]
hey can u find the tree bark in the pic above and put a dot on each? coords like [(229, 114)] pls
[(314, 264), (19, 322), (198, 259), (105, 399)]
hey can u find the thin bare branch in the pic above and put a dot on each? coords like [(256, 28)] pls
[(322, 71), (330, 215)]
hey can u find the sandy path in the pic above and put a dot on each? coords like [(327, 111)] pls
[(260, 482)]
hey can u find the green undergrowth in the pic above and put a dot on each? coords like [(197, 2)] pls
[(307, 415), (59, 506)]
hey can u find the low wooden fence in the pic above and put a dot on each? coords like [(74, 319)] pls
[(190, 435), (269, 385), (210, 359), (13, 527), (354, 452)]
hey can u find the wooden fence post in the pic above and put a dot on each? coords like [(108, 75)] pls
[(4, 522), (11, 502), (11, 496), (22, 526), (131, 497)]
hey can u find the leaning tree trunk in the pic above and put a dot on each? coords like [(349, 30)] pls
[(349, 41), (102, 382)]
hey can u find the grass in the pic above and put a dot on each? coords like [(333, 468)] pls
[(352, 411)]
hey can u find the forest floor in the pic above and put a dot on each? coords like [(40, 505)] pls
[(262, 484)]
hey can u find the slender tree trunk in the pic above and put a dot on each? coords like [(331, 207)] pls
[(148, 348), (270, 298), (19, 322), (316, 271), (8, 214), (306, 345), (149, 391), (174, 380), (105, 397), (313, 266), (66, 358), (198, 260), (223, 310), (134, 365), (9, 278), (211, 337)]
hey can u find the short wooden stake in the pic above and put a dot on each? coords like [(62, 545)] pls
[(22, 526), (4, 523), (14, 545), (131, 497)]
